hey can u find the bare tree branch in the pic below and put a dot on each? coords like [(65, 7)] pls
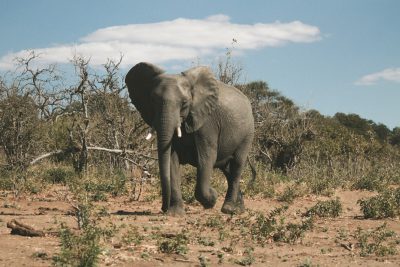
[(120, 152)]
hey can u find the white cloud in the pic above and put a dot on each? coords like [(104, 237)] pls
[(391, 74), (180, 39)]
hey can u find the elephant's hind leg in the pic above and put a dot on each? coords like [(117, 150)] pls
[(234, 199), (233, 203)]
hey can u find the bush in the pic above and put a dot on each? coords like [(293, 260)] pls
[(82, 248), (328, 208), (321, 186), (292, 232), (21, 130), (378, 241), (264, 184), (6, 179), (58, 175), (132, 236), (248, 257), (370, 183), (176, 244), (215, 221), (292, 192), (188, 185), (384, 205), (264, 227), (79, 249), (273, 227)]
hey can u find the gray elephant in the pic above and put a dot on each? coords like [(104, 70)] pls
[(199, 121)]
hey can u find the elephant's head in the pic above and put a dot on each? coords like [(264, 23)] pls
[(167, 102)]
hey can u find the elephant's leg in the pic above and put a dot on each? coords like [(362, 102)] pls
[(176, 202), (204, 193), (233, 200)]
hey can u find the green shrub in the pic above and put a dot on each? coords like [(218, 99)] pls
[(265, 227), (80, 249), (248, 257), (40, 255), (203, 261), (370, 183), (205, 241), (384, 205), (328, 208), (264, 184), (6, 179), (292, 192), (187, 190), (273, 227), (215, 221), (188, 184), (58, 175), (176, 244), (321, 186), (118, 180), (101, 183), (293, 231), (307, 263), (379, 241), (132, 236)]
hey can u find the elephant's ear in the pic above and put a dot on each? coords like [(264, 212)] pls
[(204, 96), (141, 82)]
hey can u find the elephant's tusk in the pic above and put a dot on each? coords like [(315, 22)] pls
[(179, 132), (149, 135)]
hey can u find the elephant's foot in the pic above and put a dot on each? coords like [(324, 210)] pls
[(176, 211), (207, 200), (231, 207)]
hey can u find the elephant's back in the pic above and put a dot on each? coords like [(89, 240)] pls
[(237, 108)]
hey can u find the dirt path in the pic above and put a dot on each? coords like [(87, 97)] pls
[(329, 243)]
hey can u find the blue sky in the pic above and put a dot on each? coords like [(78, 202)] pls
[(333, 56)]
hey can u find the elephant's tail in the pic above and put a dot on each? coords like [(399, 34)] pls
[(253, 172)]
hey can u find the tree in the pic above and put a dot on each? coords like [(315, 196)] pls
[(281, 129), (21, 130), (395, 137), (27, 102), (382, 132), (227, 70), (354, 123)]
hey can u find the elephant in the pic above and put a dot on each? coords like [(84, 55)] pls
[(199, 121)]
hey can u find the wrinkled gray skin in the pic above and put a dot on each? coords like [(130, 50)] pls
[(217, 128)]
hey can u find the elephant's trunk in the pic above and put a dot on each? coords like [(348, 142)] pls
[(165, 132)]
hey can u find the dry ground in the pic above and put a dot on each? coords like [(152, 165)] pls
[(329, 243)]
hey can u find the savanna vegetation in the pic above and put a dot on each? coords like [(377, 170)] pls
[(76, 129)]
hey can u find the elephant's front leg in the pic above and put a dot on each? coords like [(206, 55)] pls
[(176, 202)]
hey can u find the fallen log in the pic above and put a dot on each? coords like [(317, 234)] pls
[(18, 228)]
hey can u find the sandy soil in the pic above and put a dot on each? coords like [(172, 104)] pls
[(329, 243)]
